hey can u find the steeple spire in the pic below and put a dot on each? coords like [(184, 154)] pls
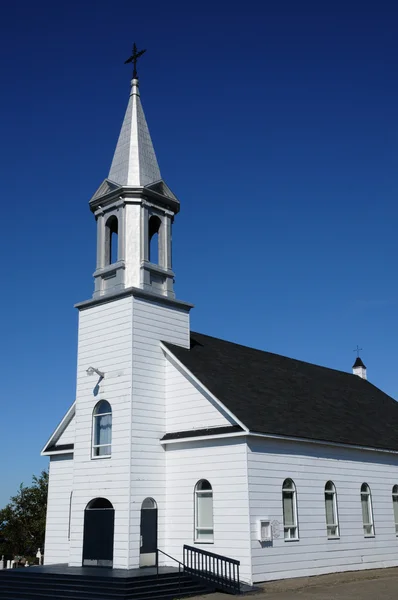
[(134, 210), (134, 162)]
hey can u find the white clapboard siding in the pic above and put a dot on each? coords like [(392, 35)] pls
[(187, 407), (68, 435), (224, 464), (56, 547), (105, 342), (311, 466), (152, 323)]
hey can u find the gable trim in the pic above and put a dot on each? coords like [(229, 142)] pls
[(220, 436), (51, 445), (319, 442), (197, 383)]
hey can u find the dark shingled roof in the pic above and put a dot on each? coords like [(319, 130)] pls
[(273, 394)]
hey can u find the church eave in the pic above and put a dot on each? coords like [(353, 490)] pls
[(61, 449), (135, 292), (126, 193)]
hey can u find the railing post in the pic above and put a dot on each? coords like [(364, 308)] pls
[(157, 562)]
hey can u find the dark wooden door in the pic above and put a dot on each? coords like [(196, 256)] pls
[(98, 537), (149, 530)]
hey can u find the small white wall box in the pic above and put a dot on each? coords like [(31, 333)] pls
[(264, 531)]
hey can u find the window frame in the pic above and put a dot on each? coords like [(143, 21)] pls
[(394, 494), (335, 525), (209, 530), (368, 494), (290, 532), (95, 446)]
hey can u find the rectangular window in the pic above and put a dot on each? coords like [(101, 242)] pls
[(289, 504), (367, 513), (102, 435), (395, 506), (204, 528), (332, 523)]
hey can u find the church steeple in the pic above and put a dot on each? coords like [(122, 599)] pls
[(134, 161), (133, 206)]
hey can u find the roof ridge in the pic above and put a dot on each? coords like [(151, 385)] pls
[(305, 362)]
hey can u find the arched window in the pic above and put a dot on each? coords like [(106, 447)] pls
[(102, 429), (153, 234), (289, 501), (367, 511), (204, 531), (395, 506), (332, 518), (111, 240)]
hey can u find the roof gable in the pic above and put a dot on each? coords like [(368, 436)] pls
[(106, 187), (160, 187), (276, 395), (188, 406)]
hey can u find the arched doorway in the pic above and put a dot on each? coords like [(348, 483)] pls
[(149, 533), (99, 520)]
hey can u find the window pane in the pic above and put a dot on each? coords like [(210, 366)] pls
[(102, 407), (205, 510), (204, 535), (103, 429), (365, 509), (102, 451), (203, 485), (288, 509), (368, 529), (395, 505), (329, 509)]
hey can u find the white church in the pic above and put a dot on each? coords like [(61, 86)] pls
[(177, 438)]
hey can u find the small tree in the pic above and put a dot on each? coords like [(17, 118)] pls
[(23, 520)]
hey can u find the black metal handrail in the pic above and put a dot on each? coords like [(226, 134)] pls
[(220, 570), (180, 564)]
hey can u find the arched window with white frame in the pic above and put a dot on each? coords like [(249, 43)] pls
[(289, 502), (204, 527), (332, 517), (367, 510), (395, 506), (102, 430)]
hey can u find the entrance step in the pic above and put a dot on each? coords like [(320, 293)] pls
[(42, 584)]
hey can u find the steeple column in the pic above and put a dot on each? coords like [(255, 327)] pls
[(100, 240)]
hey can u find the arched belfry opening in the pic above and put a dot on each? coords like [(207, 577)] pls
[(153, 238), (99, 521), (111, 240)]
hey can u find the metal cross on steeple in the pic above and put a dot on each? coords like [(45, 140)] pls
[(133, 59), (357, 350)]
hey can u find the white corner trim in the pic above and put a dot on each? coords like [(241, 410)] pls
[(200, 438), (59, 431), (206, 392)]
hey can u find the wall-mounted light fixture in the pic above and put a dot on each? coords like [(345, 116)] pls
[(92, 370)]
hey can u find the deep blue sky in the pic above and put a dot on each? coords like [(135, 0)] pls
[(276, 125)]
